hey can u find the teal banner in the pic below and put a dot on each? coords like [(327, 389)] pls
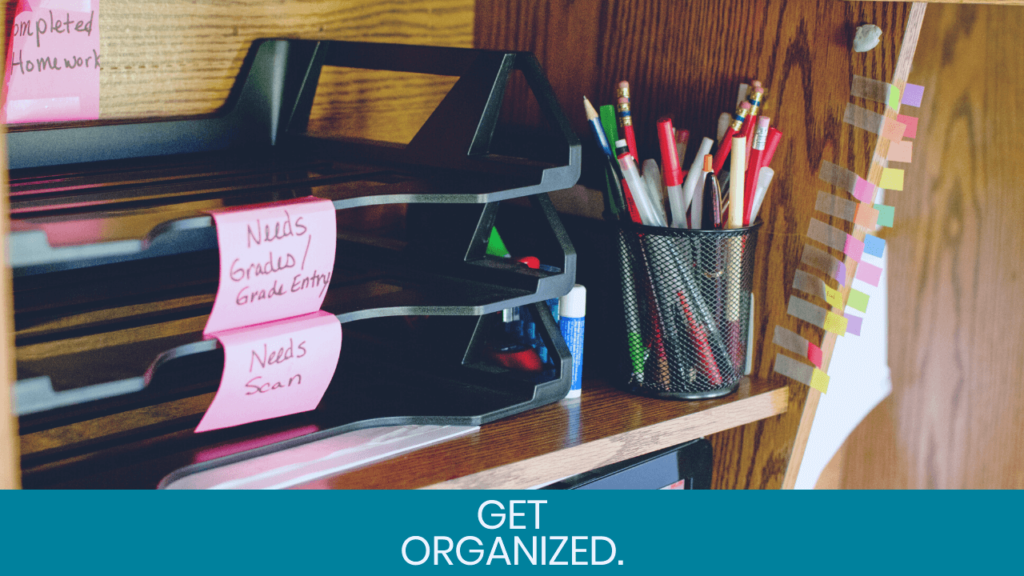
[(672, 532)]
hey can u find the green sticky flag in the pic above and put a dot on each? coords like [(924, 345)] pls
[(611, 126), (496, 246), (885, 215), (894, 97), (858, 300)]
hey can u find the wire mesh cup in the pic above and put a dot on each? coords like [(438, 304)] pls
[(686, 298)]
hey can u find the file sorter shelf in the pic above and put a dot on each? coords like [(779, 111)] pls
[(94, 203)]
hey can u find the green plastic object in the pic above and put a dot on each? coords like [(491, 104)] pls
[(611, 127), (496, 246)]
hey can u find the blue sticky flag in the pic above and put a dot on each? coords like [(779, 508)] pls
[(873, 245)]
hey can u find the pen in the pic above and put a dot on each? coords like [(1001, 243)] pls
[(712, 216), (652, 181), (693, 178), (755, 164), (638, 192), (682, 140), (672, 173)]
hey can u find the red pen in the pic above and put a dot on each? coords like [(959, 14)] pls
[(737, 124), (774, 136), (754, 165)]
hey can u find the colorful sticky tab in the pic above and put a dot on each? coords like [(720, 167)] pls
[(892, 179), (912, 95), (819, 381), (857, 300), (886, 214), (840, 274), (866, 216), (893, 130), (911, 124), (814, 354), (869, 273), (901, 151), (854, 248), (276, 261), (274, 370), (853, 324), (53, 62), (864, 190), (873, 245), (894, 98), (833, 297), (835, 323)]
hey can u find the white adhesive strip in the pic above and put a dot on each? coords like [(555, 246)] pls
[(828, 235), (804, 310), (835, 206), (821, 260), (790, 341), (838, 176), (864, 119), (806, 283), (871, 89)]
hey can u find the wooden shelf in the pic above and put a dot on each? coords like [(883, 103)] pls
[(603, 427)]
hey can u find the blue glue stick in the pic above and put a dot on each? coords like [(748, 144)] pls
[(572, 311)]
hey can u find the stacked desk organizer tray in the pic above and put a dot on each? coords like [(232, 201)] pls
[(115, 263)]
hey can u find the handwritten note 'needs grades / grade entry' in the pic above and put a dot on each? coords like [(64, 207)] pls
[(274, 370), (53, 62), (276, 261)]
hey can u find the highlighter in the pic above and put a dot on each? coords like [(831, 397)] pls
[(673, 174)]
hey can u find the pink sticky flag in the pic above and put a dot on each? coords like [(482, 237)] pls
[(814, 354), (912, 95), (276, 261), (911, 124), (53, 62), (901, 151), (840, 274), (854, 248), (853, 324), (893, 130), (864, 190), (274, 370), (869, 273)]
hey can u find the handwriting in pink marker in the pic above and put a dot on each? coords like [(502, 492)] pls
[(53, 62), (276, 261), (274, 370)]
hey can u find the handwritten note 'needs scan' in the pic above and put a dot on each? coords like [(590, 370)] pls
[(53, 62), (276, 261), (274, 370)]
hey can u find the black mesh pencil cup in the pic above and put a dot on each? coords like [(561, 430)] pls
[(686, 298)]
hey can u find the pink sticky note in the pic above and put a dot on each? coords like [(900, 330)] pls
[(840, 274), (893, 130), (911, 124), (276, 261), (853, 324), (854, 248), (274, 370), (863, 190), (814, 354), (53, 62), (901, 151), (869, 273), (912, 95)]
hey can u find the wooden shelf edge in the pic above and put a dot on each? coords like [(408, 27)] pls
[(588, 456)]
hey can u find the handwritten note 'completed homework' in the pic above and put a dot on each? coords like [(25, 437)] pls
[(274, 370), (53, 62), (276, 261)]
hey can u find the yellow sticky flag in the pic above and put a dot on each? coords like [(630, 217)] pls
[(834, 297), (892, 179), (835, 324), (819, 381)]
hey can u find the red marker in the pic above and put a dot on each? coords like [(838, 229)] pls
[(754, 165)]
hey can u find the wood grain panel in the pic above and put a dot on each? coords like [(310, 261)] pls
[(178, 57), (686, 59), (956, 415)]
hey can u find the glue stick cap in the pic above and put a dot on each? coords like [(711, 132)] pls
[(573, 304)]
